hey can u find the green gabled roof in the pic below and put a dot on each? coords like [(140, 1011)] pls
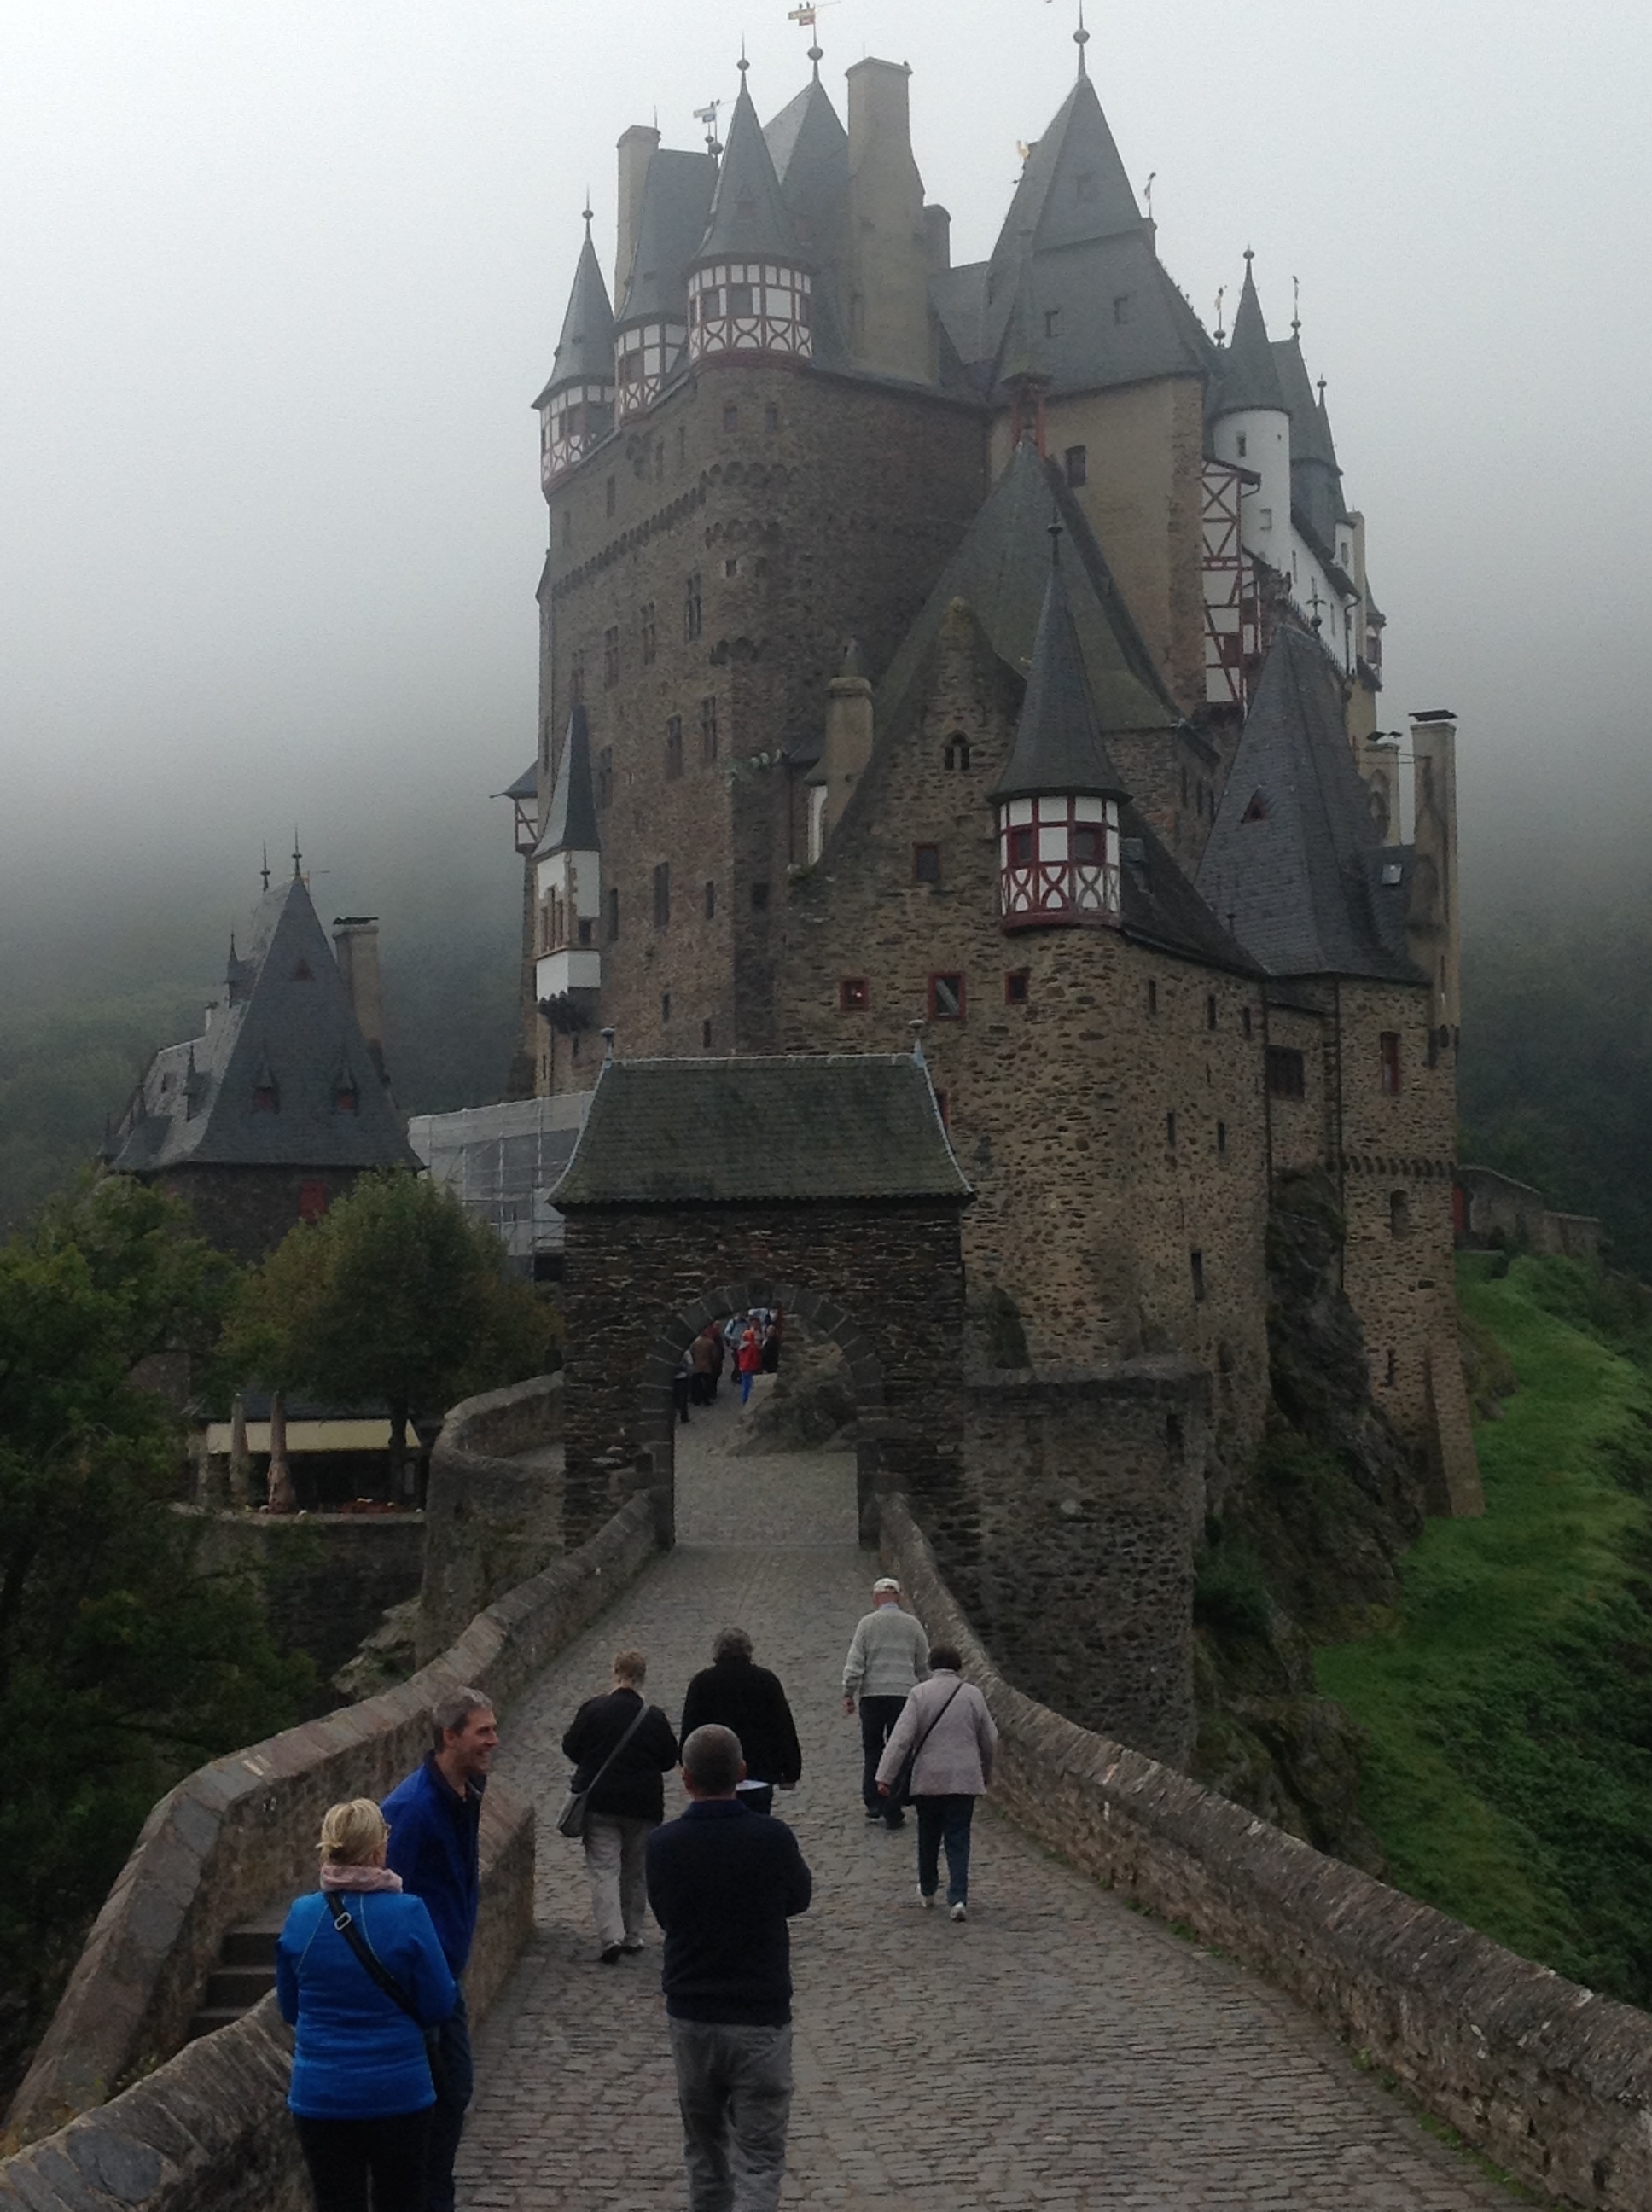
[(809, 1130)]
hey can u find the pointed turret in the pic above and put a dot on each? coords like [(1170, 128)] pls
[(576, 408), (652, 324), (1249, 379), (1251, 428), (1058, 799), (1315, 479), (749, 288), (567, 883)]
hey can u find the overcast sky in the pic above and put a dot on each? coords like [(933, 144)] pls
[(280, 277)]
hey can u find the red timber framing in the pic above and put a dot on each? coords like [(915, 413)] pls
[(1230, 628)]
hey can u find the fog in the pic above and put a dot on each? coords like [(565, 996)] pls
[(282, 278)]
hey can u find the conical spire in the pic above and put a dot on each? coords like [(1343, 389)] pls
[(1058, 741), (571, 819), (1250, 375), (584, 351), (1021, 357), (1074, 188), (748, 220)]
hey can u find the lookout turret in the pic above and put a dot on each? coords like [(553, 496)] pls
[(750, 290), (576, 408)]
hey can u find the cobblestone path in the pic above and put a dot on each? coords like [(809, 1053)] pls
[(1057, 2051)]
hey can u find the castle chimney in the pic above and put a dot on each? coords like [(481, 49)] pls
[(847, 745), (637, 148), (1434, 926), (891, 329), (937, 237), (355, 948)]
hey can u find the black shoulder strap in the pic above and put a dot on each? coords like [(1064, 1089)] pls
[(940, 1709), (342, 1920), (637, 1719)]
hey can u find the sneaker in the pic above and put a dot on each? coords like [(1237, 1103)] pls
[(610, 1954), (960, 1912), (632, 1944), (874, 1813), (926, 1899)]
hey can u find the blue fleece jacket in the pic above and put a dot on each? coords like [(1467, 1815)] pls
[(356, 2055), (434, 1847)]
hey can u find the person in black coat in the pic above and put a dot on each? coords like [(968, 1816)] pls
[(733, 1693), (626, 1802)]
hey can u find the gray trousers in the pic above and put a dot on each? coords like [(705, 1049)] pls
[(615, 1848), (734, 2085)]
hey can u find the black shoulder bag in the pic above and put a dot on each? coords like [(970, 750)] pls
[(576, 1806), (339, 1912), (900, 1789)]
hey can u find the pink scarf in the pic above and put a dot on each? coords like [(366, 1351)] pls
[(359, 1877)]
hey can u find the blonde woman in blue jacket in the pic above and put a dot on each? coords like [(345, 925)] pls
[(362, 2092)]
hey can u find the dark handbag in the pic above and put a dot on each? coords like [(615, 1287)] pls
[(899, 1790), (571, 1821), (339, 1912)]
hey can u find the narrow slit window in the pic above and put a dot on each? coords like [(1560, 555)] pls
[(946, 997), (1018, 984), (1389, 1051), (853, 995), (925, 864)]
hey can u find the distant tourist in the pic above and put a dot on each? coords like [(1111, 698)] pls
[(361, 1976), (705, 1362), (620, 1747), (773, 1336), (683, 1387), (723, 1884), (749, 1359), (888, 1655), (734, 1692), (947, 1724), (435, 1821)]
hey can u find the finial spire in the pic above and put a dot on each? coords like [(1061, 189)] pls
[(1322, 391), (1221, 295), (587, 213), (265, 869), (298, 857), (1055, 530), (1250, 255), (1296, 306), (1081, 38)]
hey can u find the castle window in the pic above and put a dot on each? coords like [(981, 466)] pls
[(1244, 1020), (771, 418), (1152, 998), (674, 746), (1018, 984), (646, 627), (1244, 445), (613, 917), (1121, 308), (1077, 462), (692, 622), (1388, 1046), (1196, 1268), (587, 931), (312, 1200), (1210, 1012), (740, 303), (1255, 807), (576, 680), (605, 776), (610, 656), (663, 895), (711, 901), (759, 898), (1021, 848), (925, 864), (705, 1035), (1051, 322), (709, 729), (1392, 1376), (731, 566), (1221, 1140), (957, 755), (1265, 521), (1287, 1072), (611, 493), (1171, 1131), (853, 995), (730, 416), (1399, 1213), (946, 997), (665, 1006)]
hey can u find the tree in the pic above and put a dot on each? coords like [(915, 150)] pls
[(121, 1667), (394, 1294)]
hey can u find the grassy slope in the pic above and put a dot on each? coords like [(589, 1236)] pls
[(1510, 1707)]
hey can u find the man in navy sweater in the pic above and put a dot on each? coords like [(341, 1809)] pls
[(435, 1820), (723, 1882)]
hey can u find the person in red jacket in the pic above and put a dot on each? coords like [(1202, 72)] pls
[(749, 1360)]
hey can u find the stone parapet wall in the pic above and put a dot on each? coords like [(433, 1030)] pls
[(1551, 2080), (239, 1835), (325, 1580), (492, 1519)]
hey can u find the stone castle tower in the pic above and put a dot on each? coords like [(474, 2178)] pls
[(989, 648)]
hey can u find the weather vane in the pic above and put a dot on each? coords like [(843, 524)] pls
[(1080, 37), (1222, 293), (707, 115), (805, 17), (1296, 306)]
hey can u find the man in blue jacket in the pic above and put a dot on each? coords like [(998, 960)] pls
[(723, 1882), (435, 1820)]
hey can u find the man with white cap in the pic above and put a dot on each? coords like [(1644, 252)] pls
[(889, 1656)]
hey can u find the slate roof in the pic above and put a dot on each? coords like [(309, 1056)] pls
[(1058, 741), (750, 219), (526, 785), (756, 1131), (676, 203), (1001, 570), (1316, 479), (571, 817), (284, 1018), (1249, 374), (584, 351), (1072, 188), (1306, 885), (810, 149)]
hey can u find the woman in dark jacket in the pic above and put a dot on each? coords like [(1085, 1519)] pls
[(737, 1694), (628, 1800), (361, 2091)]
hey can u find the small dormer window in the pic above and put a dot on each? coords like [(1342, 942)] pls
[(1255, 807), (346, 1098), (263, 1097)]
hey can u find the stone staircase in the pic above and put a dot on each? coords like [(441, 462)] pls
[(244, 1973)]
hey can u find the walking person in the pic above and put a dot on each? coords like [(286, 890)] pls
[(620, 1747), (734, 1692), (888, 1655), (683, 1388), (723, 1884), (748, 1361), (774, 1337), (947, 1721), (435, 1819), (703, 1363), (361, 2094)]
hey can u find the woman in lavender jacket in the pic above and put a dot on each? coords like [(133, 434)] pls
[(947, 1718)]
